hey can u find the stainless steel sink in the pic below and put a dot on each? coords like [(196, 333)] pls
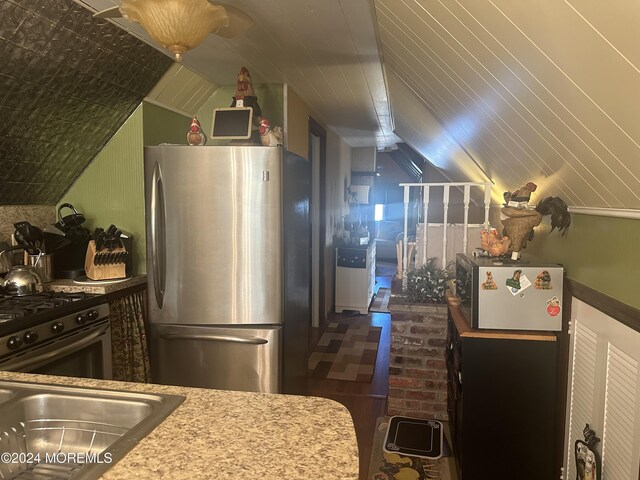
[(5, 395), (54, 431)]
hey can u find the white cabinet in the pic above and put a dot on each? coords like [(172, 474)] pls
[(355, 277), (604, 391)]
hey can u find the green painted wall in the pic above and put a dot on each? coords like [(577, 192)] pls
[(600, 252), (164, 126), (111, 189)]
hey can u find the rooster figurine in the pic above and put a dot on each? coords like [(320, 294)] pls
[(270, 137), (493, 243), (244, 85), (196, 136), (520, 198), (521, 221)]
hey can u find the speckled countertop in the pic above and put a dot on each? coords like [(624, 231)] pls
[(88, 286), (218, 434)]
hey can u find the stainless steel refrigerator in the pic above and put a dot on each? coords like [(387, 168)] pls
[(228, 267)]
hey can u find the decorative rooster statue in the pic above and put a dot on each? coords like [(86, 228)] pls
[(521, 220), (246, 96), (196, 136), (270, 137), (244, 85), (523, 194)]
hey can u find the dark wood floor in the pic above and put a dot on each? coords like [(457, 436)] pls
[(365, 401)]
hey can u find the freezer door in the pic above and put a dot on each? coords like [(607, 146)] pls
[(520, 297), (238, 358), (214, 234)]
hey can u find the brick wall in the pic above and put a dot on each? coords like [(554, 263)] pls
[(417, 367)]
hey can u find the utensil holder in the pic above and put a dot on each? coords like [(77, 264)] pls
[(95, 267), (44, 266)]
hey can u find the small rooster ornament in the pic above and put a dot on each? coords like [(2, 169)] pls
[(246, 96), (244, 85), (270, 137), (520, 198), (493, 243), (196, 136)]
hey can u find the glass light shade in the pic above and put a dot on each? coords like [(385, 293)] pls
[(179, 25)]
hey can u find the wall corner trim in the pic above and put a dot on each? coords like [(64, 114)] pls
[(168, 107), (607, 212)]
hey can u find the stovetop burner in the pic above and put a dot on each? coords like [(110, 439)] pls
[(15, 309), (30, 322), (12, 307)]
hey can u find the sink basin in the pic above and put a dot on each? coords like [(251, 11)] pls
[(5, 395), (73, 432)]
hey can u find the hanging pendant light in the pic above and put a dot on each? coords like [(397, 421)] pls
[(179, 25)]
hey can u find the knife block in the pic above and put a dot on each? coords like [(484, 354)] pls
[(103, 272)]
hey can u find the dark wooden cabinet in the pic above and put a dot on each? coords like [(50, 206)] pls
[(502, 401)]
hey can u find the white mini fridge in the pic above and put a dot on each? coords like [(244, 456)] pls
[(503, 294)]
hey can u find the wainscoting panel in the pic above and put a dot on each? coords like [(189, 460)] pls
[(604, 391)]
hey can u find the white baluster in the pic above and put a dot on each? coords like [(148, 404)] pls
[(405, 239), (425, 224), (465, 238), (445, 203), (487, 204)]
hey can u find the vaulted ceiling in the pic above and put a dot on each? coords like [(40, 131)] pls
[(509, 91), (327, 50), (546, 91)]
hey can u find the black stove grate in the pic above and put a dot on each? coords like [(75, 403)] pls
[(13, 308)]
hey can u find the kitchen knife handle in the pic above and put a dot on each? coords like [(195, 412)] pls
[(158, 235)]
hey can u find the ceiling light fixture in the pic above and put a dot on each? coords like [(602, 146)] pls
[(180, 25)]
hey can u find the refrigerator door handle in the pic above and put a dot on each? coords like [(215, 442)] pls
[(216, 338), (158, 235)]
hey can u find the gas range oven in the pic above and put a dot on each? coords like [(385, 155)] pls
[(56, 333)]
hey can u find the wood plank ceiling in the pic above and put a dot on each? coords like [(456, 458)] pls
[(510, 91), (326, 50), (545, 91)]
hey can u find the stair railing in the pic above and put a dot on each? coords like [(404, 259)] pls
[(466, 186)]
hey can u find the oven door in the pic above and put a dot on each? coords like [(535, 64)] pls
[(83, 353)]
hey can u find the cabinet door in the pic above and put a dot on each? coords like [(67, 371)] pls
[(604, 391), (453, 356)]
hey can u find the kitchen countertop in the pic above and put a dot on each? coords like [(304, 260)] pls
[(234, 435), (99, 287)]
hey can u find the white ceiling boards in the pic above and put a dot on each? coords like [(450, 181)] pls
[(543, 91), (326, 50), (507, 90)]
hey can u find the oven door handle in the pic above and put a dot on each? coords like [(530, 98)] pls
[(33, 362)]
